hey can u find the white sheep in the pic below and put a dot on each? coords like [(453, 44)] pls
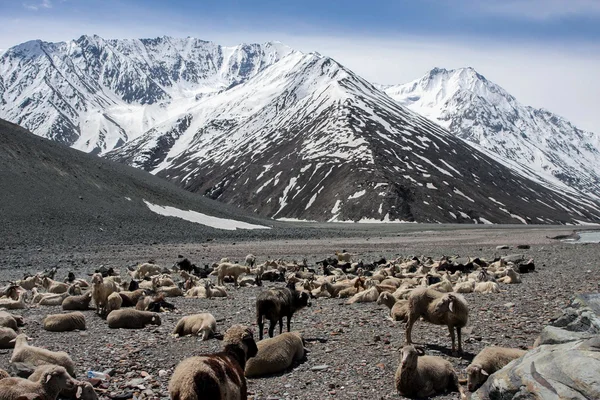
[(464, 287), (511, 277), (8, 320), (366, 296), (276, 354), (64, 322), (487, 287), (81, 390), (27, 354), (113, 302), (53, 286), (101, 290), (398, 308), (198, 324), (30, 282), (11, 304), (229, 269), (425, 376), (146, 270), (250, 260), (488, 361)]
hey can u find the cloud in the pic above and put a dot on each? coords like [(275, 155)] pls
[(36, 6), (539, 9)]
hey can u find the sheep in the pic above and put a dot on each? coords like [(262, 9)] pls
[(7, 336), (366, 296), (54, 380), (274, 304), (344, 256), (228, 269), (53, 299), (170, 291), (81, 390), (113, 302), (64, 322), (216, 376), (204, 324), (150, 284), (425, 376), (27, 354), (132, 319), (11, 304), (487, 287), (30, 282), (511, 277), (79, 303), (449, 309), (250, 260), (4, 374), (464, 287), (398, 308), (154, 304), (207, 291), (276, 354), (8, 320), (130, 298), (56, 287), (101, 290), (146, 269), (488, 361)]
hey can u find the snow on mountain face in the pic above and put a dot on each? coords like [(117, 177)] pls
[(531, 141), (95, 94), (307, 139)]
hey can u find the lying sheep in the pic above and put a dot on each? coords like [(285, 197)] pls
[(8, 320), (53, 299), (344, 256), (488, 361), (11, 304), (425, 376), (145, 270), (53, 381), (79, 303), (276, 354), (465, 287), (130, 298), (449, 309), (398, 308), (35, 356), (274, 304), (487, 287), (56, 287), (199, 324), (64, 322), (511, 277), (7, 338), (366, 296), (81, 390), (113, 302), (30, 282), (216, 376), (132, 319), (233, 270), (101, 289), (170, 291)]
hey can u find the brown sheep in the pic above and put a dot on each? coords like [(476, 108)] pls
[(488, 361), (79, 303), (216, 376), (132, 319), (276, 354), (204, 324), (64, 322), (54, 380), (81, 390), (9, 320)]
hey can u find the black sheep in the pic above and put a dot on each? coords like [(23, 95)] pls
[(274, 304)]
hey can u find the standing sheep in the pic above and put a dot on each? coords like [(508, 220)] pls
[(101, 290), (132, 319), (228, 269), (197, 324), (274, 304), (250, 260), (398, 308), (64, 322), (52, 382), (276, 354), (425, 376), (449, 309), (216, 376), (488, 361), (27, 354)]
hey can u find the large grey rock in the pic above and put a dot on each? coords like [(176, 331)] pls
[(565, 371)]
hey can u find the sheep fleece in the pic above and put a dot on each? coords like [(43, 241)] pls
[(275, 354), (131, 319), (64, 322)]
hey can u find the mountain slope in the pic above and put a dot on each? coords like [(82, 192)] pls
[(533, 141), (54, 194), (95, 94), (306, 138)]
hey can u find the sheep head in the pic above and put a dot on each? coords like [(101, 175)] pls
[(96, 279), (59, 376), (241, 337), (476, 376), (409, 356)]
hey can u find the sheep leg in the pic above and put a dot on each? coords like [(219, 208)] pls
[(272, 327), (281, 325), (409, 325), (459, 339), (289, 322), (451, 329), (260, 323)]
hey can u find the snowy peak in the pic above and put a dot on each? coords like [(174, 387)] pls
[(532, 141)]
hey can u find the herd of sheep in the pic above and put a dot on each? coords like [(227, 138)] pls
[(414, 289)]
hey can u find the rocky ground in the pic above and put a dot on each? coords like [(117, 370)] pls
[(355, 355)]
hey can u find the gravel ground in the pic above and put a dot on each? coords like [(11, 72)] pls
[(357, 344)]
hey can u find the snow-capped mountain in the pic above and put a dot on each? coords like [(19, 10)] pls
[(268, 129), (534, 142), (95, 94)]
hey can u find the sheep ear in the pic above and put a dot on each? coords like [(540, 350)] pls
[(48, 377), (484, 373), (79, 392), (451, 305), (420, 351), (153, 319)]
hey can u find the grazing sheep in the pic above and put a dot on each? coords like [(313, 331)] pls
[(228, 269), (425, 376), (132, 319), (79, 303), (197, 324), (216, 376), (487, 287), (488, 361), (449, 309), (55, 287), (275, 354), (101, 290), (274, 304), (27, 354), (8, 320), (53, 381), (113, 302), (81, 390), (7, 338), (11, 304), (130, 298), (64, 322), (398, 308)]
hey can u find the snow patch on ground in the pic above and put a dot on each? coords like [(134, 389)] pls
[(203, 219), (357, 195)]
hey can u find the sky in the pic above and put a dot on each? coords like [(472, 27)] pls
[(544, 52)]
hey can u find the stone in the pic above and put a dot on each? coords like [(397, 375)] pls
[(502, 247), (319, 367), (523, 246), (514, 258)]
